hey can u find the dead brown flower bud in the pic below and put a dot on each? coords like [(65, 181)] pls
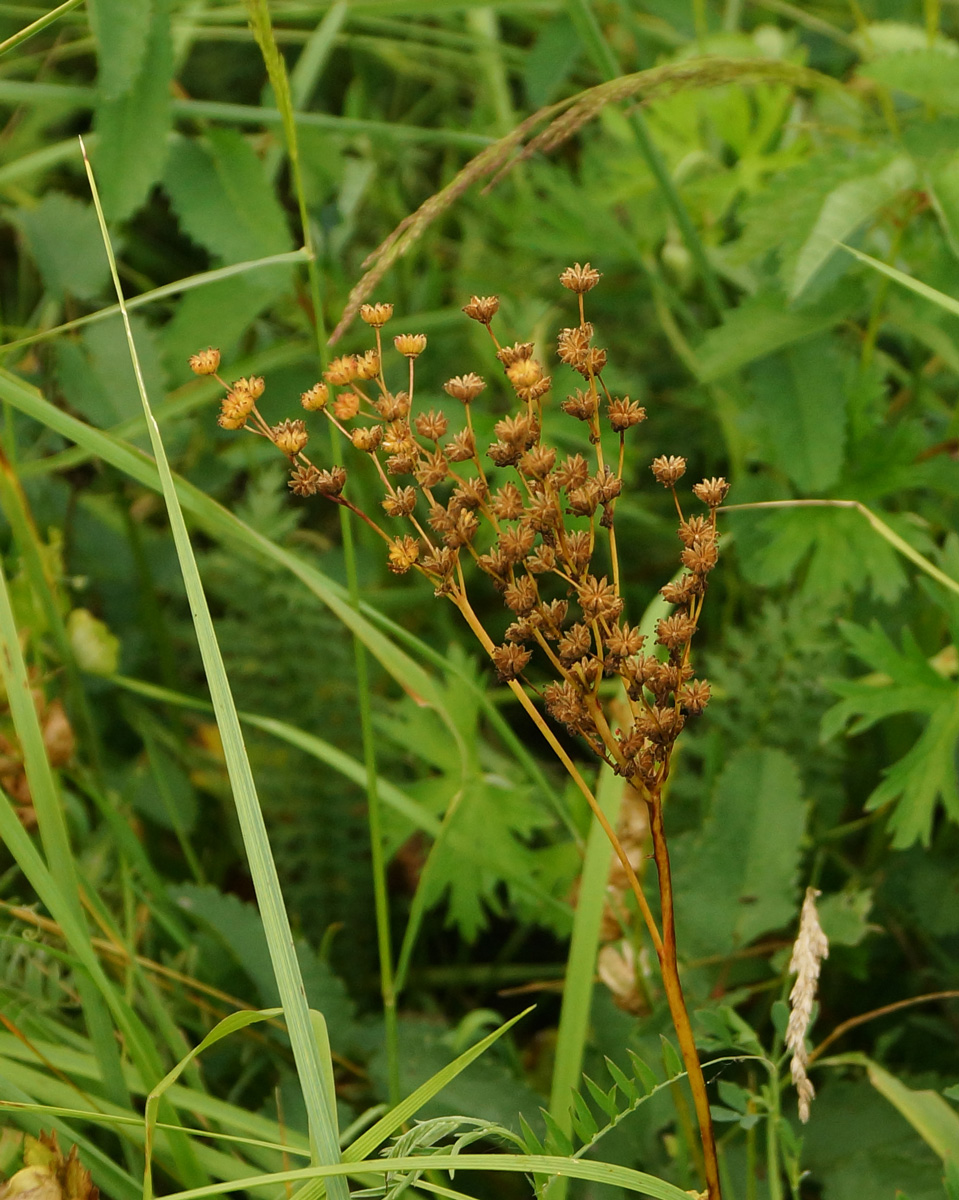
[(551, 617), (524, 373), (581, 405), (538, 462), (694, 696), (680, 592), (579, 548), (598, 599), (674, 631), (522, 596), (341, 370), (584, 501), (521, 630), (593, 363), (580, 279), (572, 472), (431, 425), (624, 413), (304, 480), (700, 557), (346, 406), (624, 641), (469, 494), (431, 469), (665, 725), (507, 503), (542, 560), (368, 365), (401, 503), (403, 553), (410, 345), (608, 486), (331, 482), (376, 314), (482, 308), (464, 387), (441, 561), (575, 643), (464, 529), (509, 355), (290, 437), (509, 660), (316, 398), (516, 543), (696, 528), (393, 408), (206, 362), (515, 431), (564, 703), (669, 470), (235, 408), (460, 448), (711, 491), (367, 438)]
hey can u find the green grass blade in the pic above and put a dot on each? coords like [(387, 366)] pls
[(262, 867), (940, 299), (37, 26)]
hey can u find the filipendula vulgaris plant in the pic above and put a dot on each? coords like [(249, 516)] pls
[(537, 523)]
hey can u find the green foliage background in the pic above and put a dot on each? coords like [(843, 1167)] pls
[(763, 351)]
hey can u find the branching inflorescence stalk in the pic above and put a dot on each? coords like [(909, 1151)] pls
[(542, 529)]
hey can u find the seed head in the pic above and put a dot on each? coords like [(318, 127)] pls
[(234, 409), (624, 413), (580, 279), (346, 406), (669, 470), (711, 491), (410, 345), (507, 503), (331, 482), (509, 660), (515, 353), (464, 387), (525, 372), (431, 425), (290, 437), (694, 696), (403, 553), (304, 480), (400, 503), (376, 314), (393, 408), (368, 365), (316, 398), (811, 947), (482, 308), (367, 437), (461, 448), (675, 631), (341, 370), (207, 362)]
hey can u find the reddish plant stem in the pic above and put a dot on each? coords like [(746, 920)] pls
[(669, 967)]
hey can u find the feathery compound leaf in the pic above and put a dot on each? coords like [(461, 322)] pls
[(645, 1075), (626, 1086), (585, 1124), (532, 1143), (671, 1059), (556, 1141), (605, 1101)]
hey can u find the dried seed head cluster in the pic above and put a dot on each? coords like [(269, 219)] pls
[(811, 947), (540, 523)]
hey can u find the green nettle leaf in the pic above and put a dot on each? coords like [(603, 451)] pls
[(927, 75), (239, 927), (843, 211), (120, 29), (64, 239), (132, 126), (761, 325), (737, 877), (801, 411), (907, 683)]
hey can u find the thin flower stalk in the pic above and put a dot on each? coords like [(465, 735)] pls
[(541, 526)]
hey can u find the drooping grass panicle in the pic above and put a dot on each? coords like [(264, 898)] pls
[(811, 947)]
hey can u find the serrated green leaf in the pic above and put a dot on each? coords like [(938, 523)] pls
[(64, 239), (926, 75), (132, 125), (801, 411), (737, 878), (120, 29), (672, 1061), (843, 211), (761, 325), (923, 776)]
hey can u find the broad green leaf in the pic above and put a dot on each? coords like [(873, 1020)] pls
[(843, 211), (926, 1111), (759, 326), (924, 775), (738, 877), (844, 916), (95, 375), (927, 75), (121, 31), (800, 411), (223, 198), (551, 59), (132, 125), (64, 240)]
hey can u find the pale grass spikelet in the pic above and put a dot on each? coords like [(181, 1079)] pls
[(811, 947)]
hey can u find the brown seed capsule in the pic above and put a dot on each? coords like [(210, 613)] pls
[(522, 597), (207, 362), (624, 413), (572, 472), (525, 372), (460, 448), (403, 553), (331, 482), (367, 438), (368, 365), (598, 599), (341, 370), (515, 353), (235, 408), (711, 491), (482, 308), (575, 643), (304, 480), (464, 387), (700, 557), (316, 398), (290, 437), (669, 470), (410, 345), (580, 279), (431, 469), (516, 542), (675, 631), (507, 503), (401, 503), (431, 425), (346, 406), (581, 405), (376, 314), (393, 408), (509, 660)]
